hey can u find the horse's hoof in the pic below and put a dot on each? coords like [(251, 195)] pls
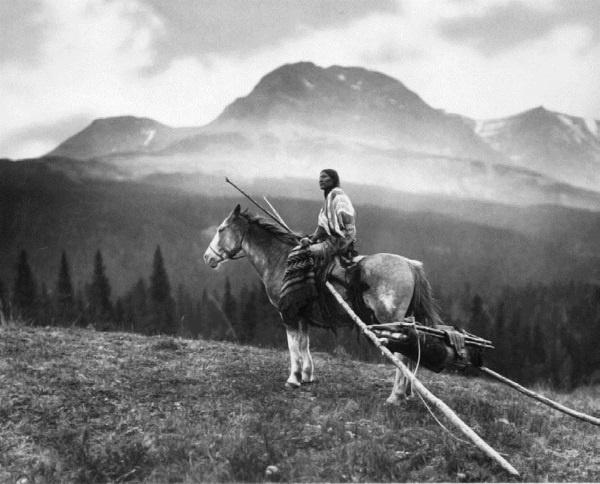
[(309, 382), (292, 386), (398, 399)]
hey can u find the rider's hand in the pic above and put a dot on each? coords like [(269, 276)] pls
[(304, 241)]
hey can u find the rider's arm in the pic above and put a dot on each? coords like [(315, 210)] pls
[(348, 226), (318, 235)]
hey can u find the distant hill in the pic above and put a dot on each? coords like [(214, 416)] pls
[(123, 134), (44, 212), (558, 145), (350, 103), (302, 117)]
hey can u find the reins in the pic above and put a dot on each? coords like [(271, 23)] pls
[(231, 254)]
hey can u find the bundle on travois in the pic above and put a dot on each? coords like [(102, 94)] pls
[(436, 347)]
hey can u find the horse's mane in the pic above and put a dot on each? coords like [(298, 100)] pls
[(279, 232)]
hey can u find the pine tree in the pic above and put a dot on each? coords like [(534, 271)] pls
[(479, 320), (139, 307), (202, 315), (3, 304), (64, 299), (162, 305), (45, 316), (230, 307), (24, 292), (514, 365), (185, 312), (100, 309), (120, 314), (248, 315), (267, 322)]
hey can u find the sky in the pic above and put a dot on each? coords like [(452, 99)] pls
[(64, 63)]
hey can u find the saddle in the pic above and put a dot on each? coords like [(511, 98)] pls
[(304, 292), (343, 272)]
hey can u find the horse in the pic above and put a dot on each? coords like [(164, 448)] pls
[(395, 287)]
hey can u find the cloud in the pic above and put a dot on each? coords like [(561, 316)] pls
[(99, 58), (503, 26), (94, 51), (238, 27), (23, 30), (88, 63), (42, 137)]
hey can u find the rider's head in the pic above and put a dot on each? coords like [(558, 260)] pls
[(328, 179)]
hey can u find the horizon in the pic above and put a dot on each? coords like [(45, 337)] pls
[(64, 64)]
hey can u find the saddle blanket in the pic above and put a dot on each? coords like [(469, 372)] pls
[(299, 286)]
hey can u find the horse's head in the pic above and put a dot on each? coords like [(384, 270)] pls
[(227, 242)]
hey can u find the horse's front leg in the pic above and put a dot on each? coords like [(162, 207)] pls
[(402, 388), (307, 361), (294, 343)]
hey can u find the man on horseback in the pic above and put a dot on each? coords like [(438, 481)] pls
[(336, 226), (392, 286), (335, 235)]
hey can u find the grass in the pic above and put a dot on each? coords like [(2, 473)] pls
[(79, 405)]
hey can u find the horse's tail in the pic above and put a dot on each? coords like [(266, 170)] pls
[(422, 305)]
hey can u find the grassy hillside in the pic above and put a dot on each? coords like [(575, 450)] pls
[(89, 406)]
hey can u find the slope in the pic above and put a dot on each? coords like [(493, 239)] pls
[(558, 145), (45, 212), (121, 134), (175, 410), (302, 117)]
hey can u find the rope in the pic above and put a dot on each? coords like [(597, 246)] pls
[(414, 325), (448, 431)]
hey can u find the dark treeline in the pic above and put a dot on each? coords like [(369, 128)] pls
[(547, 334)]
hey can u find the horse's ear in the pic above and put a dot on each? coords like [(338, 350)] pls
[(236, 210)]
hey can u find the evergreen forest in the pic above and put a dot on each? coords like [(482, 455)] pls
[(544, 333)]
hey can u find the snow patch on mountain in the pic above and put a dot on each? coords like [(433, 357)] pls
[(593, 125), (308, 84), (577, 130), (341, 77), (489, 129), (150, 133), (357, 86)]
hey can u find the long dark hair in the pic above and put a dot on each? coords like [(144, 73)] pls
[(334, 176)]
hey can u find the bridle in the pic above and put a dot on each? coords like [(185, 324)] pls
[(226, 254)]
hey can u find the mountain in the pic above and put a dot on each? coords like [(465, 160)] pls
[(301, 118), (555, 144), (123, 134), (45, 212), (350, 102)]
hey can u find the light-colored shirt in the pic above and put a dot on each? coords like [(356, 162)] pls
[(337, 216)]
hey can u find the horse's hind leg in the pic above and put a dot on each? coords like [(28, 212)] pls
[(307, 361), (294, 339), (402, 388)]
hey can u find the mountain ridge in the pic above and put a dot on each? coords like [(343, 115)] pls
[(545, 141), (301, 117)]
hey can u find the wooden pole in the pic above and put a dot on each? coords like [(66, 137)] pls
[(551, 403), (279, 217), (258, 205), (418, 386)]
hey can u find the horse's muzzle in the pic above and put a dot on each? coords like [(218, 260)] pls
[(210, 259)]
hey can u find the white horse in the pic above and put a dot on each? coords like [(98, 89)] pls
[(395, 287)]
